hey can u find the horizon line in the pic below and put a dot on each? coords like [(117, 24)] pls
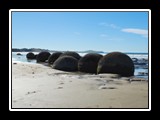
[(81, 50)]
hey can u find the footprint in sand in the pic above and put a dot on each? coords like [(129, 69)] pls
[(59, 87), (61, 83), (106, 87), (31, 92)]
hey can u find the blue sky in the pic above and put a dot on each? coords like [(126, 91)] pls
[(79, 31)]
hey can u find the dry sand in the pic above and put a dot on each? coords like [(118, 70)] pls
[(39, 86)]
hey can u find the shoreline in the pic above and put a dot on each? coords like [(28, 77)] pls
[(39, 86)]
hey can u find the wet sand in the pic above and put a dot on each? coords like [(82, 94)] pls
[(39, 86)]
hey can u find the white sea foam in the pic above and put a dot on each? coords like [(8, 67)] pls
[(139, 56)]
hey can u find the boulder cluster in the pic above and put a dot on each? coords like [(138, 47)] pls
[(114, 62)]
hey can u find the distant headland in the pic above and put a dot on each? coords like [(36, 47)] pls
[(85, 51), (39, 50)]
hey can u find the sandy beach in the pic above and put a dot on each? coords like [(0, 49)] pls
[(40, 86)]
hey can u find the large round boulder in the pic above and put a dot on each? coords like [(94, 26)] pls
[(66, 63), (89, 63), (54, 57), (43, 56), (116, 63), (71, 53), (30, 55)]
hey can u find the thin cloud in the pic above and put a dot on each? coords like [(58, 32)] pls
[(142, 32), (109, 25), (113, 26)]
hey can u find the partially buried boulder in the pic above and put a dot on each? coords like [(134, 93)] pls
[(52, 58), (134, 59), (116, 63), (43, 56), (89, 63), (66, 63), (19, 54), (71, 53), (30, 55)]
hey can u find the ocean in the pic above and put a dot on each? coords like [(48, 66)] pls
[(139, 69)]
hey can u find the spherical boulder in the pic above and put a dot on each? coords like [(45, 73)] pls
[(42, 56), (89, 63), (116, 63), (52, 58), (71, 53), (66, 63), (30, 55)]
